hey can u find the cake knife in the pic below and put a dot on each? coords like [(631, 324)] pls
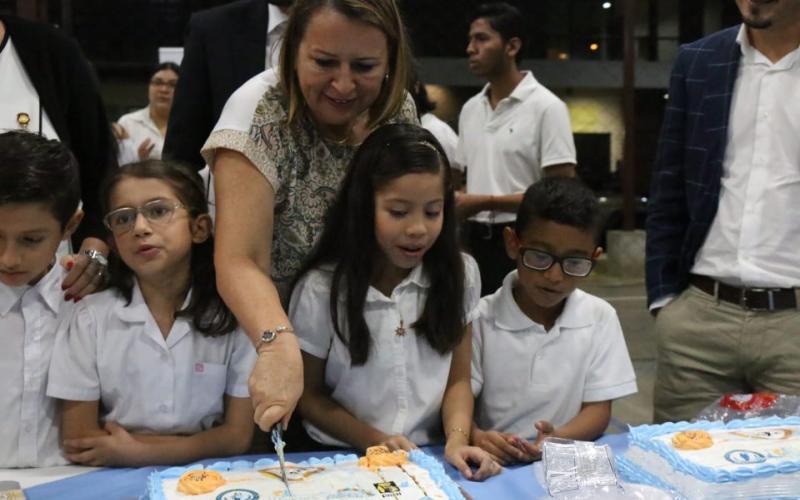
[(279, 443)]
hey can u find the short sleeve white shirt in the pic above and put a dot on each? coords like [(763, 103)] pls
[(400, 388), (139, 127), (146, 383), (443, 133), (29, 319), (505, 149), (522, 373)]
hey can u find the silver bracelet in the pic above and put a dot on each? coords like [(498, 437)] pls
[(96, 256)]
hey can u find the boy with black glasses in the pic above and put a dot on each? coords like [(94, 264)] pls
[(547, 358)]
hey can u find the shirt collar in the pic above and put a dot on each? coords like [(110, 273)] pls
[(524, 88), (48, 289), (138, 312), (417, 277), (509, 316), (751, 55), (275, 18)]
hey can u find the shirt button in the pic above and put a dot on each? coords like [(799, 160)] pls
[(28, 428), (162, 408)]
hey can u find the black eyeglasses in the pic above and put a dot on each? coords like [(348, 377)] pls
[(542, 261), (123, 219)]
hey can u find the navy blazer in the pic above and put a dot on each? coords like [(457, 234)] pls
[(684, 194), (70, 95), (225, 46)]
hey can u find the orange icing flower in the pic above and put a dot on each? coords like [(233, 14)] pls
[(692, 440), (380, 456), (198, 482)]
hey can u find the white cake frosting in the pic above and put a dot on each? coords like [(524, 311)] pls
[(339, 477), (738, 459)]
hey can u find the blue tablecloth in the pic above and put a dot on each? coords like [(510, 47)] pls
[(516, 482)]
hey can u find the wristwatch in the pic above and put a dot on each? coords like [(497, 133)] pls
[(269, 336), (96, 256)]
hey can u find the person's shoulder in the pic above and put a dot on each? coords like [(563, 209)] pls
[(136, 115), (719, 39), (592, 307), (222, 15), (51, 36), (317, 280), (260, 97), (472, 102)]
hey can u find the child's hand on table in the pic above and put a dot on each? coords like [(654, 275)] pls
[(115, 448)]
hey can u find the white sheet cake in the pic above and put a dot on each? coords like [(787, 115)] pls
[(416, 477), (753, 458)]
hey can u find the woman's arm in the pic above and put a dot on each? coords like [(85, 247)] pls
[(115, 446), (326, 414), (457, 407), (245, 205)]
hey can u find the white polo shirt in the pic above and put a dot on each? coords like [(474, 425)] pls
[(139, 126), (146, 383), (400, 388), (443, 133), (29, 318), (505, 149), (522, 373)]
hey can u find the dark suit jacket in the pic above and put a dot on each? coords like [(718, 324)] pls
[(686, 182), (225, 46), (70, 96)]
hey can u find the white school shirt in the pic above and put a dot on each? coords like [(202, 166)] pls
[(139, 127), (29, 318), (443, 133), (755, 236), (505, 149), (399, 390), (522, 373), (146, 383)]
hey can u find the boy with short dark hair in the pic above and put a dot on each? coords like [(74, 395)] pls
[(39, 208), (547, 358)]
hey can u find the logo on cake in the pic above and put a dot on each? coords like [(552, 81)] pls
[(238, 495), (295, 473)]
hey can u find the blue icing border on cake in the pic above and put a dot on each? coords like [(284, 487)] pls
[(434, 468), (632, 473), (643, 437)]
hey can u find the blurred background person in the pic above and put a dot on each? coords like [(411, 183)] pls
[(439, 128), (140, 134), (224, 47)]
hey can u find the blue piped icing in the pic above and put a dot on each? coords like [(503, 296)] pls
[(632, 473), (430, 464), (437, 473), (643, 437)]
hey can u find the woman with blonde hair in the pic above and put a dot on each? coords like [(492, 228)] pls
[(343, 71)]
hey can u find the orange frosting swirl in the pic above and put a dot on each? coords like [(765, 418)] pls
[(198, 482), (692, 440), (380, 456)]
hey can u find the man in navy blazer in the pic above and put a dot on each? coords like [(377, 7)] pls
[(723, 226), (225, 46)]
